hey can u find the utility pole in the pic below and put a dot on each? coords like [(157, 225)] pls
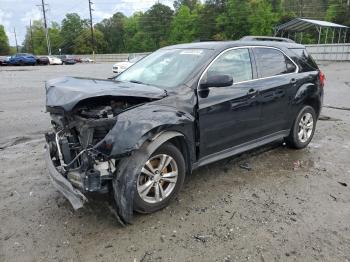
[(31, 36), (46, 29), (14, 31), (92, 31)]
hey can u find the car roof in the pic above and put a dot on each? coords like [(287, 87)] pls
[(221, 45)]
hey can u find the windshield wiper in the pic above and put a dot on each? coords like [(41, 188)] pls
[(138, 82)]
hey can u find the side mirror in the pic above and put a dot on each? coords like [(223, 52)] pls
[(216, 81)]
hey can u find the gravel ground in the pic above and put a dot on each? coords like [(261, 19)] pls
[(290, 206)]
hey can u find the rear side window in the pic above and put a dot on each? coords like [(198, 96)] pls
[(235, 63), (307, 62), (272, 62)]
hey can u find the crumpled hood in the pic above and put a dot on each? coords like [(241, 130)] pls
[(66, 92)]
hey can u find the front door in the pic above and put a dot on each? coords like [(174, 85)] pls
[(229, 116)]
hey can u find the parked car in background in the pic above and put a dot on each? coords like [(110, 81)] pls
[(42, 60), (4, 60), (53, 60), (23, 59), (182, 107), (67, 59), (122, 66), (78, 59), (87, 60)]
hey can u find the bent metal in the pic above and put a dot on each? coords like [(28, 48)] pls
[(136, 136)]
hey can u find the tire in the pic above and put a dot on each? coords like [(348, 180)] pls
[(170, 190), (302, 131)]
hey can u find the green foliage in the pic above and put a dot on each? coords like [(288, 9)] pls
[(262, 19), (183, 26), (192, 20), (155, 23), (191, 4), (4, 42), (234, 20), (113, 31), (56, 39), (35, 42), (339, 12), (72, 27)]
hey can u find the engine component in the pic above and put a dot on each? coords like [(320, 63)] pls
[(92, 180)]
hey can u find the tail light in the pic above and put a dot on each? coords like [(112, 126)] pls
[(322, 78)]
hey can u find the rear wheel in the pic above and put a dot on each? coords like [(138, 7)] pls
[(303, 128), (160, 179)]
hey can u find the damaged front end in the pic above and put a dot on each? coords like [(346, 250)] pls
[(80, 120), (71, 147)]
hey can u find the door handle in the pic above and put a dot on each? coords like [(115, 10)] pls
[(293, 81)]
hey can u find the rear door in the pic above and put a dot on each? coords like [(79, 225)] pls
[(276, 81)]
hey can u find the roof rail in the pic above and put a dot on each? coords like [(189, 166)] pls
[(266, 38)]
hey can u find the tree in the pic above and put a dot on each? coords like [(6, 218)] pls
[(135, 40), (262, 19), (55, 37), (4, 42), (208, 13), (183, 26), (338, 11), (233, 21), (72, 27), (156, 24), (113, 31), (81, 47), (35, 41), (191, 4)]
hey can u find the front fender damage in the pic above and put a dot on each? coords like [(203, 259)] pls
[(135, 136), (134, 127)]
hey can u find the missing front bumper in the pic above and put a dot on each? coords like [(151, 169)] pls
[(75, 197)]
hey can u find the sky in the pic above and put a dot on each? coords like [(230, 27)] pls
[(18, 13)]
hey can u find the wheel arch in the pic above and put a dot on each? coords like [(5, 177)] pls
[(308, 94), (128, 169)]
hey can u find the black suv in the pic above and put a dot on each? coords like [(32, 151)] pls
[(184, 106)]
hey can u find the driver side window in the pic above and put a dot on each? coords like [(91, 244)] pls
[(235, 63)]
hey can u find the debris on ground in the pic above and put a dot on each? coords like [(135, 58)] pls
[(343, 184), (202, 238), (296, 165), (246, 166), (333, 197)]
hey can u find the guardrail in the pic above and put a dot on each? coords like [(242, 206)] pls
[(330, 52), (110, 57)]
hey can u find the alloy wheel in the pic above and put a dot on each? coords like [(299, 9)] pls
[(306, 125), (157, 179)]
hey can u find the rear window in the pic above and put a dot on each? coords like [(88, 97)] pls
[(272, 62), (306, 60)]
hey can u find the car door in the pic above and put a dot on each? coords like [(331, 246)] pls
[(277, 77), (229, 116)]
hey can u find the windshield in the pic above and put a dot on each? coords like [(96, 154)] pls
[(165, 68)]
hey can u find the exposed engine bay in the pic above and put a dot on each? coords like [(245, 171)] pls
[(76, 133)]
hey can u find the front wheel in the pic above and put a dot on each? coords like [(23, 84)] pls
[(160, 180), (303, 128)]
